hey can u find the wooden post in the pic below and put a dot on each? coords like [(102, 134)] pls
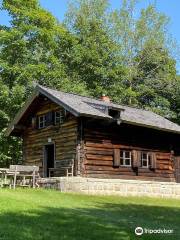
[(5, 178), (34, 178), (72, 169), (15, 174), (23, 180)]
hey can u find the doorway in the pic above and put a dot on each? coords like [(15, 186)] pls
[(49, 158)]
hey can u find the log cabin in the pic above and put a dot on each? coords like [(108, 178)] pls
[(101, 139)]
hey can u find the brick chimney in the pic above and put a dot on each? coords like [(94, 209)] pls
[(105, 98)]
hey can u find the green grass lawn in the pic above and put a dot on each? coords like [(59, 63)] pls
[(50, 215)]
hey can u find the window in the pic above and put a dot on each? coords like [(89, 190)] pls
[(59, 117), (145, 159), (42, 121), (125, 158)]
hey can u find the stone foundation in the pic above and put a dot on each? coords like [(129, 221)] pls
[(112, 187)]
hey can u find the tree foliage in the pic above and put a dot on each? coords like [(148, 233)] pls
[(32, 49), (95, 50), (95, 55)]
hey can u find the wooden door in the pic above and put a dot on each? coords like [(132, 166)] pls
[(177, 169)]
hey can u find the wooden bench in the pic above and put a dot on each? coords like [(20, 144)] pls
[(67, 165), (24, 172)]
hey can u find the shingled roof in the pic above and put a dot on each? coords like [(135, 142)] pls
[(90, 107)]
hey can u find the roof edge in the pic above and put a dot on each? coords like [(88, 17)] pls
[(150, 126), (21, 112)]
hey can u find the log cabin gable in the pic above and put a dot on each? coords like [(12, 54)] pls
[(39, 105), (48, 114), (40, 114)]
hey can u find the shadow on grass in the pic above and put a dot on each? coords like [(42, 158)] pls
[(105, 222)]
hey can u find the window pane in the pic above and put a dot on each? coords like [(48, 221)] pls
[(127, 162), (121, 154), (42, 121), (144, 156), (127, 154), (145, 163), (59, 116)]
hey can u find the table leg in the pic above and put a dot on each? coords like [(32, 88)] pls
[(2, 179), (5, 179), (33, 179), (14, 183), (24, 180)]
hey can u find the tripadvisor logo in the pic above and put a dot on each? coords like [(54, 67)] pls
[(139, 231)]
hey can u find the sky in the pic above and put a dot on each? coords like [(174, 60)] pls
[(170, 7)]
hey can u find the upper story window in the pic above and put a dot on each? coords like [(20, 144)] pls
[(51, 118), (59, 117), (145, 159), (125, 158), (42, 121)]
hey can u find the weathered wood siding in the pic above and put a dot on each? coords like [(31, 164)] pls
[(101, 140), (64, 137)]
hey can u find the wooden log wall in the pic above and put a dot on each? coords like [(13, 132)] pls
[(64, 137), (99, 144)]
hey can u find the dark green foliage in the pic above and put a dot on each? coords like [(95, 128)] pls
[(156, 80), (95, 56)]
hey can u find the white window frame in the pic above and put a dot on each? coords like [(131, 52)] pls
[(124, 158), (60, 118), (42, 121), (147, 160)]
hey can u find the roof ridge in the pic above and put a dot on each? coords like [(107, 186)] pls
[(97, 99), (76, 94), (120, 105)]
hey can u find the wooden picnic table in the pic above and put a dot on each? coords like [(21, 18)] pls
[(18, 171)]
